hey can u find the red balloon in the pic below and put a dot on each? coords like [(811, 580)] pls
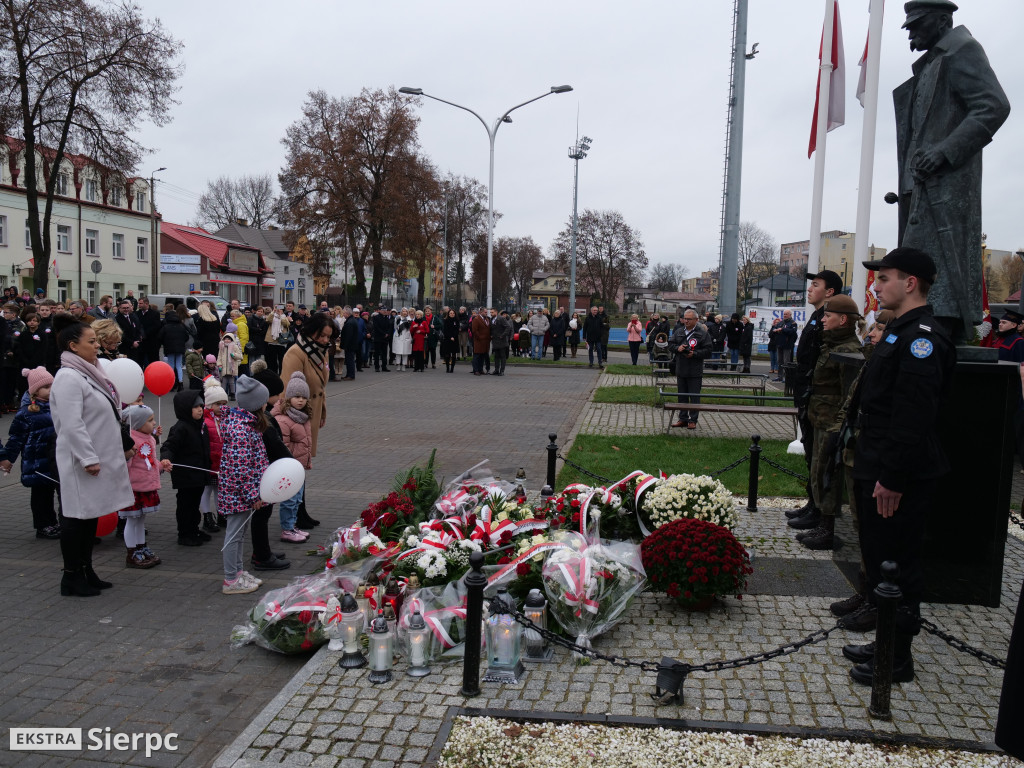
[(516, 336), (106, 524), (159, 378)]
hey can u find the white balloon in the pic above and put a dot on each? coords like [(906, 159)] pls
[(127, 378), (281, 480), (103, 364)]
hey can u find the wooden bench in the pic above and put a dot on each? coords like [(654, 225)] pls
[(757, 383), (766, 410)]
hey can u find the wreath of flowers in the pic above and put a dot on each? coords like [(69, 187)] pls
[(697, 497)]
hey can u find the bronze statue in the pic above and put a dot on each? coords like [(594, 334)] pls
[(945, 115)]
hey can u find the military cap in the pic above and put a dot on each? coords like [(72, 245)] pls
[(831, 279), (1014, 317), (909, 260), (842, 305), (917, 8)]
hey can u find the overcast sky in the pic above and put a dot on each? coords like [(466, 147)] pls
[(650, 87)]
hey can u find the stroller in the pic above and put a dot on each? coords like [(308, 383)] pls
[(660, 353)]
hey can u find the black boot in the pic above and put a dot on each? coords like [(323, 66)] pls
[(859, 654), (826, 538), (902, 663), (791, 513), (863, 620), (94, 580), (73, 583), (303, 520), (804, 535), (210, 522), (810, 520), (849, 605)]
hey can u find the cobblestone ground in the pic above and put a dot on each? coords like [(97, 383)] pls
[(151, 655), (331, 717)]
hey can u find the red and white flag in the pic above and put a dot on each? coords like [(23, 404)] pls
[(56, 267), (837, 84), (863, 64)]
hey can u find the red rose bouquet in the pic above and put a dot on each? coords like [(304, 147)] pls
[(694, 561)]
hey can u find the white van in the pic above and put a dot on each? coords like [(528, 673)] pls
[(158, 300)]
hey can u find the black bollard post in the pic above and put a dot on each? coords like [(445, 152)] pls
[(475, 583), (887, 597), (549, 486), (755, 470)]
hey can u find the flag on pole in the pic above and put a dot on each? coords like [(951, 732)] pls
[(837, 86), (863, 64), (56, 268)]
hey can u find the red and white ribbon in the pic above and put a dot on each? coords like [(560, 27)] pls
[(509, 569), (577, 579)]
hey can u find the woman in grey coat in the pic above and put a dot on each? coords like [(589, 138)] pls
[(90, 455)]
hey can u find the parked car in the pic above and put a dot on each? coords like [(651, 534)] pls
[(220, 305)]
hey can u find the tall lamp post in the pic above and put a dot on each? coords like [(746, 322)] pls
[(154, 254), (492, 132), (577, 153)]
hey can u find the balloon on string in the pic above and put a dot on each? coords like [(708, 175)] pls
[(126, 376), (106, 524), (159, 378), (281, 480), (104, 362)]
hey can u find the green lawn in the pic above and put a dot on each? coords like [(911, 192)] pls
[(568, 362), (648, 396), (615, 457)]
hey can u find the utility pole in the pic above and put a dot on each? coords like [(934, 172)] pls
[(154, 251), (729, 250), (577, 152)]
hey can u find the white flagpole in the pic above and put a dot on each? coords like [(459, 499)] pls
[(824, 90), (867, 152)]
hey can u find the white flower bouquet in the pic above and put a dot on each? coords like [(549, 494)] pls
[(697, 497)]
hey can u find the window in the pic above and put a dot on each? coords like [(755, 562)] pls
[(28, 235), (90, 293), (118, 291), (117, 247), (62, 184), (91, 190), (142, 249), (92, 241), (143, 290), (140, 202), (63, 238), (3, 230), (63, 289), (115, 196)]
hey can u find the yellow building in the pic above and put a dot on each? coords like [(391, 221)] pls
[(837, 254)]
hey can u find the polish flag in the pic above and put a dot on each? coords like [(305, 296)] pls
[(56, 268), (863, 64), (837, 86)]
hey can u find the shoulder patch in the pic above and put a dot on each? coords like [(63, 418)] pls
[(891, 338), (921, 348), (924, 327)]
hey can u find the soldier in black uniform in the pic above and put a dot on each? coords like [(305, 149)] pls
[(898, 457), (824, 285)]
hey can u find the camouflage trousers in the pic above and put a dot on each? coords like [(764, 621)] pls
[(827, 500)]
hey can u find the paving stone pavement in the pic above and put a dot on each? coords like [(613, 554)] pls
[(151, 655)]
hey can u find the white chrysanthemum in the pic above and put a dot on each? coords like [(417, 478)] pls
[(697, 497)]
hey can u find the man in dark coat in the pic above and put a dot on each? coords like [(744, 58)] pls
[(131, 331), (606, 330), (381, 329), (559, 325), (945, 115), (481, 330), (746, 342), (351, 343), (733, 336), (692, 347), (150, 320), (592, 333), (501, 334)]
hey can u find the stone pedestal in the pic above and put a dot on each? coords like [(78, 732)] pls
[(966, 535)]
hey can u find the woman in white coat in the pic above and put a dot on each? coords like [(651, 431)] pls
[(401, 347), (91, 462)]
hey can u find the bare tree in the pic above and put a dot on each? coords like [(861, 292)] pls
[(609, 253), (77, 78), (417, 221), (667, 277), (466, 216), (758, 258), (521, 257), (248, 197), (1009, 272), (346, 163)]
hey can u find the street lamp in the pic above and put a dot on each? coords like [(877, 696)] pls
[(154, 253), (492, 132), (577, 153)]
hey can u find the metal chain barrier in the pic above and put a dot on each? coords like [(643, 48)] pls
[(785, 470), (678, 669), (1016, 520), (586, 472), (735, 464), (960, 645)]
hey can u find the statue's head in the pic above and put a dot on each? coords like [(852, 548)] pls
[(927, 22)]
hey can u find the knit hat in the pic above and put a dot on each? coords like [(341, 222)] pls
[(250, 394), (136, 415), (37, 378), (213, 392), (231, 328), (297, 386), (266, 377), (211, 360)]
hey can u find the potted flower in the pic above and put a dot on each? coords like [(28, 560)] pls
[(695, 561), (697, 497)]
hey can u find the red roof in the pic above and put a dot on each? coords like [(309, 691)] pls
[(214, 248)]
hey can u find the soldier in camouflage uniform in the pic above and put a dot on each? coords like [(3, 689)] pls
[(839, 336)]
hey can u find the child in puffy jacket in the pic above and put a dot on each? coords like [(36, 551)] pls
[(32, 435), (293, 413), (144, 474), (229, 357)]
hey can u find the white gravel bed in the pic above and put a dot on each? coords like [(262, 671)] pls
[(483, 741)]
